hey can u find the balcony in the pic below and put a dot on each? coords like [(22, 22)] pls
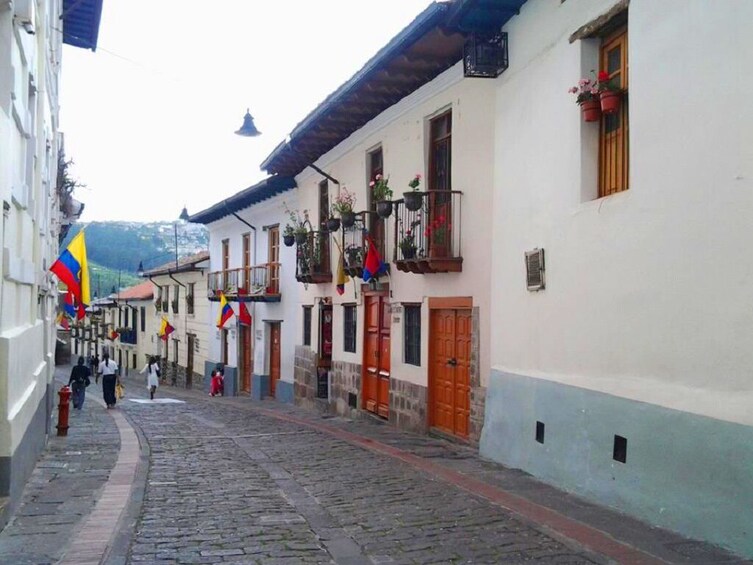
[(354, 241), (428, 240), (260, 283), (128, 336), (312, 259)]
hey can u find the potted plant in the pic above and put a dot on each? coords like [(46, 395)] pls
[(343, 207), (609, 93), (413, 199), (438, 234), (297, 226), (382, 194), (300, 234), (288, 235), (333, 224), (408, 245), (588, 99)]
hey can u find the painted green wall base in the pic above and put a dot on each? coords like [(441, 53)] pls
[(684, 472)]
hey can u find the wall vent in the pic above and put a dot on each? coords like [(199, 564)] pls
[(540, 432), (535, 269), (619, 452)]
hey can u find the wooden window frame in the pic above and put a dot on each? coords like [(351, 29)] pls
[(614, 146), (350, 327), (412, 335), (246, 246), (273, 258), (143, 319), (307, 322), (190, 298)]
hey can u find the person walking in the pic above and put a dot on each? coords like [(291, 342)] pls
[(78, 382), (217, 384), (152, 376), (109, 371), (95, 367)]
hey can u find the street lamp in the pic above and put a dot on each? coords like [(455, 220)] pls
[(248, 129)]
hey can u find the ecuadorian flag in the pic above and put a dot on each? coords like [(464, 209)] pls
[(71, 268), (226, 311), (165, 329)]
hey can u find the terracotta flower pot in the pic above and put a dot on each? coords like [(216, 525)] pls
[(610, 101), (591, 110)]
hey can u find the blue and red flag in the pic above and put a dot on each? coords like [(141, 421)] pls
[(226, 311), (72, 269), (373, 266), (69, 304)]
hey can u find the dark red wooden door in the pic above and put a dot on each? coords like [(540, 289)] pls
[(376, 356)]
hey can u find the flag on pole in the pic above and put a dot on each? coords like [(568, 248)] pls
[(165, 329), (72, 269), (244, 317), (62, 321), (342, 278), (69, 305), (373, 266), (114, 335), (226, 311)]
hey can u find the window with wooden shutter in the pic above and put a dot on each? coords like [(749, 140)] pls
[(614, 156)]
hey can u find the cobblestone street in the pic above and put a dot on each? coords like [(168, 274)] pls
[(229, 484)]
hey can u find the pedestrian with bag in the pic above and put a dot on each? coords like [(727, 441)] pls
[(78, 382), (109, 371), (152, 376)]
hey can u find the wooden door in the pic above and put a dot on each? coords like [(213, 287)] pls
[(189, 362), (273, 283), (246, 357), (449, 370), (274, 357), (376, 356)]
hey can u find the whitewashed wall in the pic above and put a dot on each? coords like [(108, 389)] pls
[(649, 291), (262, 215), (402, 132)]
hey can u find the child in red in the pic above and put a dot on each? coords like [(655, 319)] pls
[(217, 384)]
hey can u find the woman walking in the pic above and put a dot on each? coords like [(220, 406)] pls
[(78, 382), (152, 376), (109, 371)]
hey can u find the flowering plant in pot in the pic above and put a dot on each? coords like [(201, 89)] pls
[(414, 199), (588, 99), (382, 193), (333, 224), (296, 226), (343, 206), (609, 92), (288, 235), (408, 245)]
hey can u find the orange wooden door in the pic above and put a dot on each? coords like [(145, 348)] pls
[(449, 377), (246, 357), (376, 356), (274, 357)]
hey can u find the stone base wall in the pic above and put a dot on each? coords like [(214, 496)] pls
[(345, 381), (478, 393), (175, 375), (408, 404), (478, 402), (304, 376)]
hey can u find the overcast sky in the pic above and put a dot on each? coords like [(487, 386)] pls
[(149, 117)]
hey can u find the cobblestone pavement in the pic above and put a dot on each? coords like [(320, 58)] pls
[(63, 488), (230, 485)]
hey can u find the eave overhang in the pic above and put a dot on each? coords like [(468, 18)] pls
[(269, 187), (81, 23)]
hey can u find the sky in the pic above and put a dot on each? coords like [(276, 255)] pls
[(149, 117)]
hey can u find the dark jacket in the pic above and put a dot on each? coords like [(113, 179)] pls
[(80, 377)]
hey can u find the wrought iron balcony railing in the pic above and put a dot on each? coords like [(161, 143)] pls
[(312, 259), (260, 283), (128, 336), (428, 240), (354, 241)]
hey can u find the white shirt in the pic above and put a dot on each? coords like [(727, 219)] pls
[(110, 369), (152, 378)]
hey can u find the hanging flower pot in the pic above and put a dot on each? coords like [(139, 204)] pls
[(288, 240), (384, 208), (408, 251), (591, 110), (610, 101), (413, 200), (348, 218), (300, 237), (333, 224)]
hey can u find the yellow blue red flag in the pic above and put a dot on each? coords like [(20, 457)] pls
[(72, 269), (226, 311), (165, 329)]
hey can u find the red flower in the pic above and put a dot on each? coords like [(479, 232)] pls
[(603, 76)]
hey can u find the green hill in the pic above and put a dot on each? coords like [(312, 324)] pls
[(115, 249)]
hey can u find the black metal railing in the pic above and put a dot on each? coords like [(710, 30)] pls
[(313, 259), (258, 281), (432, 232), (128, 336)]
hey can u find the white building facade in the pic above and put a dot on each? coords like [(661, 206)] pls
[(30, 58), (627, 377), (252, 267)]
